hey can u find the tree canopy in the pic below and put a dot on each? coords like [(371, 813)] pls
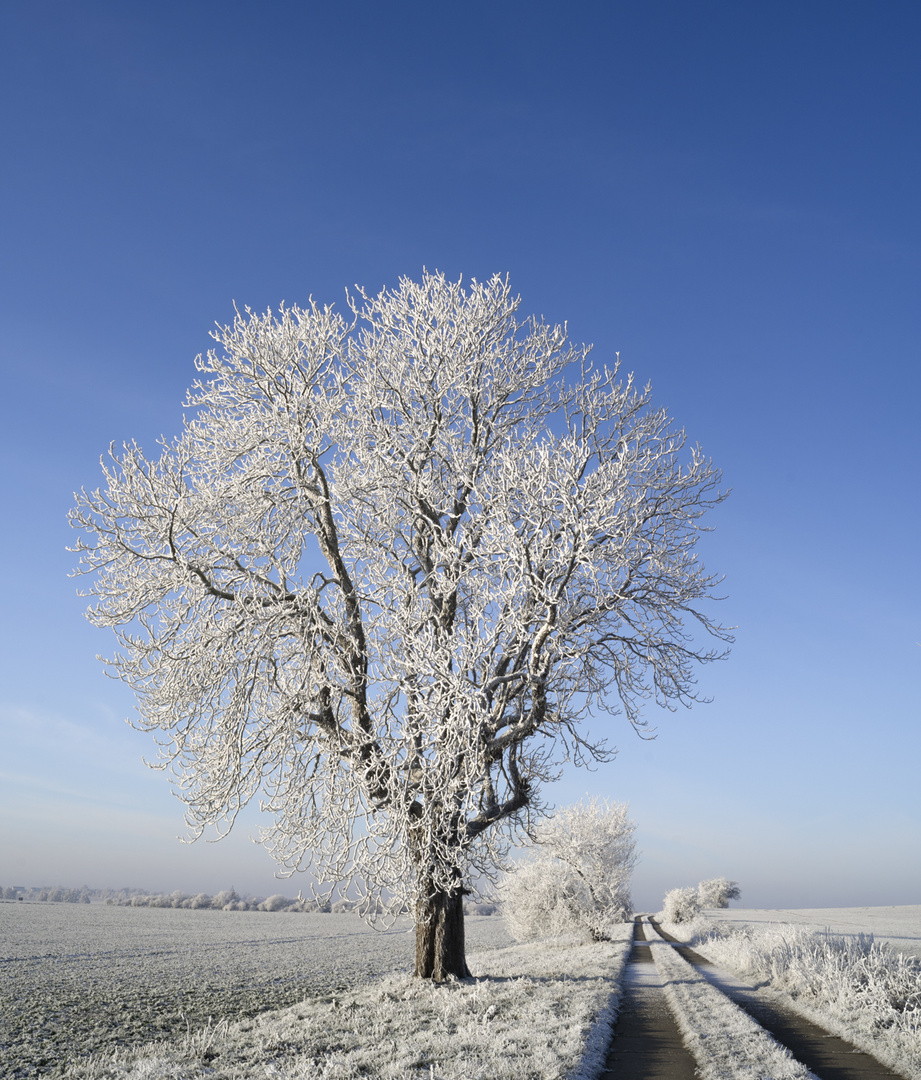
[(389, 566)]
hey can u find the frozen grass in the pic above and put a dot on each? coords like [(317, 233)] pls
[(539, 1012), (862, 990), (77, 979), (899, 926), (726, 1042)]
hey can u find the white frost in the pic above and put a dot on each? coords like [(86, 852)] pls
[(540, 1011)]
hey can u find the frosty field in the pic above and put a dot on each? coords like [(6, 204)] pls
[(899, 926), (77, 978), (124, 993)]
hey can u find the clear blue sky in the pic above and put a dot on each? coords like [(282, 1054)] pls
[(726, 193)]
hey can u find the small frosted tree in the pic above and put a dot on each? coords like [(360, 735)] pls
[(578, 881), (717, 892), (383, 574), (681, 905)]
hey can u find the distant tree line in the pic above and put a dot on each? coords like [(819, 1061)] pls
[(229, 900), (226, 900), (56, 895)]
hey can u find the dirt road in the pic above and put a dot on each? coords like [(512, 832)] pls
[(683, 1017)]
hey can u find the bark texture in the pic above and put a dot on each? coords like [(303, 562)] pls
[(440, 938)]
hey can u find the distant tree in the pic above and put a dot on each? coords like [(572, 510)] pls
[(384, 573), (681, 905), (578, 881), (717, 892)]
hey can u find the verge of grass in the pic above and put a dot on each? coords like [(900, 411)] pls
[(544, 1011), (861, 990)]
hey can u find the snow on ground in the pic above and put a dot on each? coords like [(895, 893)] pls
[(900, 927), (87, 989), (540, 1011), (247, 994), (77, 978), (726, 1042)]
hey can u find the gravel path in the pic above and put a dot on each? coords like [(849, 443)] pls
[(78, 978)]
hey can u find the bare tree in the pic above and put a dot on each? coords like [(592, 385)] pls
[(578, 880), (383, 574)]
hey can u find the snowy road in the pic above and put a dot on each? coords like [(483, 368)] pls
[(729, 1031)]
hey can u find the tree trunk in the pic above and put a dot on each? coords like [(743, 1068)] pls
[(440, 938)]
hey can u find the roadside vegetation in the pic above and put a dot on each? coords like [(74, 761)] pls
[(577, 878)]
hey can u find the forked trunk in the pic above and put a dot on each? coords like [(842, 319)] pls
[(440, 938)]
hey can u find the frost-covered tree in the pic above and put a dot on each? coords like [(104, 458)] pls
[(681, 905), (385, 571), (579, 879), (717, 892)]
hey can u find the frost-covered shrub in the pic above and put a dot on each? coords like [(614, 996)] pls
[(276, 902), (717, 892), (341, 906), (222, 899), (579, 880), (202, 900), (681, 905), (60, 895), (535, 900)]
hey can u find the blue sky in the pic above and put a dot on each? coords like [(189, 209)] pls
[(725, 193)]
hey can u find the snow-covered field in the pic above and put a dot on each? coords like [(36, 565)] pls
[(99, 993), (76, 978), (900, 927), (81, 980), (533, 1012)]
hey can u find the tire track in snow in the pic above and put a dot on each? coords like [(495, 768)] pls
[(826, 1055), (646, 1042), (727, 1043)]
